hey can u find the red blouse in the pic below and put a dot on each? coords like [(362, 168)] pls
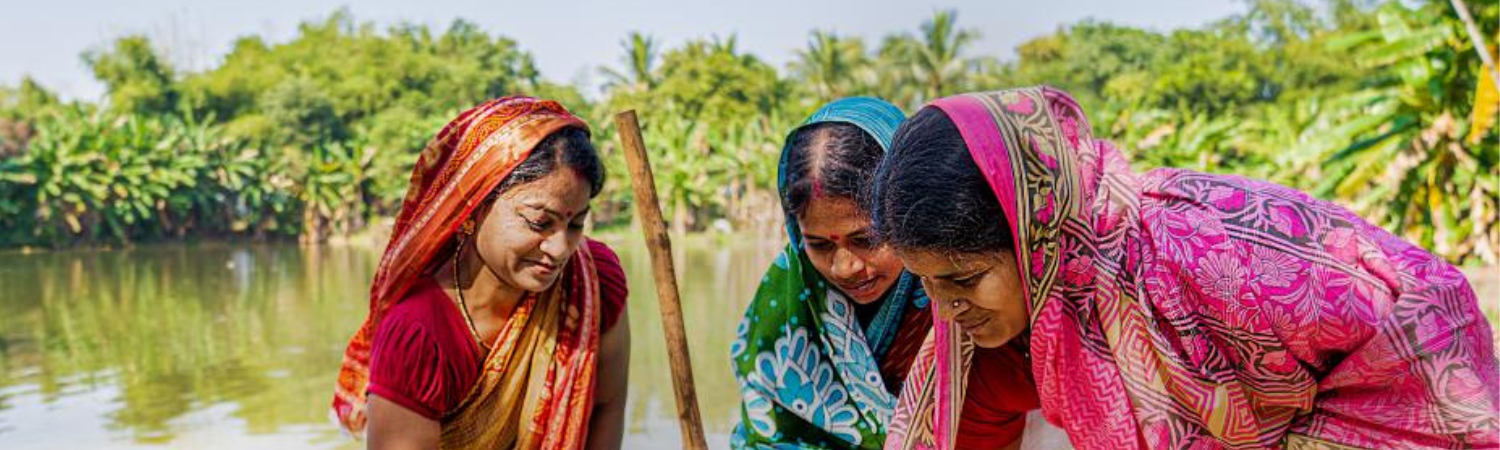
[(1000, 393), (904, 347), (423, 357)]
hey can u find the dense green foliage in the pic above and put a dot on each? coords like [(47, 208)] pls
[(1387, 108)]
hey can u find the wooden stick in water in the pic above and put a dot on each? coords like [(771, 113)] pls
[(649, 210)]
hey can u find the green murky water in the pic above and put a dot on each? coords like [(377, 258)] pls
[(231, 346)]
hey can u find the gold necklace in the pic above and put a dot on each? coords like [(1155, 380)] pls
[(463, 305)]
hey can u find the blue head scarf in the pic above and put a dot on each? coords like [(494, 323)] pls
[(876, 117)]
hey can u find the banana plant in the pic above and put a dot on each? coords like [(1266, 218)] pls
[(1405, 162)]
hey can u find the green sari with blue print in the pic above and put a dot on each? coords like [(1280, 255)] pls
[(808, 370)]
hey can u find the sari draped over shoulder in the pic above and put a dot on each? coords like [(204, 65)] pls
[(536, 389), (809, 373), (1176, 309)]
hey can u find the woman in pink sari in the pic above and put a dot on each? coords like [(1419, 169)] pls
[(1169, 309)]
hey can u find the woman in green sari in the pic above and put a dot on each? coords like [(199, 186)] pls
[(823, 349)]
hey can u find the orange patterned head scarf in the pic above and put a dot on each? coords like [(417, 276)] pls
[(461, 165)]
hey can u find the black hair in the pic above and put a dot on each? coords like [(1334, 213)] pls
[(829, 159), (568, 147), (932, 196)]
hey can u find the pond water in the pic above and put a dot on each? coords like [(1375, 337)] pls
[(231, 346)]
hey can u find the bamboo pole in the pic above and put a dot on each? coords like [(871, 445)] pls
[(648, 209)]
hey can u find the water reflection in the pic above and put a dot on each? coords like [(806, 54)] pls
[(236, 346)]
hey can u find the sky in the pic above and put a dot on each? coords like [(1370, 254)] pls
[(570, 40)]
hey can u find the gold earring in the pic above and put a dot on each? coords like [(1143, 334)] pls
[(468, 227)]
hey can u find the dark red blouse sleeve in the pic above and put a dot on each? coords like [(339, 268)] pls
[(612, 289), (419, 361)]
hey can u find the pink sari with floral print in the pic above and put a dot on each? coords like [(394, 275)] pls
[(1176, 309)]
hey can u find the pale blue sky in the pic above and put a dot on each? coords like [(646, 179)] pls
[(570, 39)]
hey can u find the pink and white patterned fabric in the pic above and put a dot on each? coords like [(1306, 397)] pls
[(1183, 310)]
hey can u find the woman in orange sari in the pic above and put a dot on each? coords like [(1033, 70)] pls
[(494, 323)]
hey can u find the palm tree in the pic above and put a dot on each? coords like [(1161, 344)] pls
[(834, 66), (937, 56), (640, 59), (896, 78)]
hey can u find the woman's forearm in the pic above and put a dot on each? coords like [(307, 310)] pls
[(607, 424), (393, 427)]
